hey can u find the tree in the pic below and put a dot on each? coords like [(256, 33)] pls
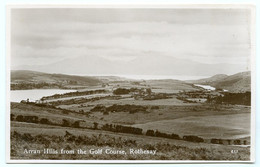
[(193, 139), (20, 118), (149, 133), (237, 142), (121, 91), (44, 121), (175, 136)]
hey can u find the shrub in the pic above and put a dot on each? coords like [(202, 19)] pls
[(16, 135), (121, 91), (12, 118), (65, 123), (155, 107), (44, 121), (126, 108), (31, 119), (214, 141), (27, 137), (76, 124), (149, 133), (193, 139), (218, 141), (98, 108), (20, 118), (42, 139), (67, 134), (234, 98), (175, 136), (229, 142), (122, 129), (237, 142)]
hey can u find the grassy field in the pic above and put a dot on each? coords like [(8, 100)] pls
[(38, 126), (168, 102), (227, 122), (42, 137), (217, 126), (169, 86)]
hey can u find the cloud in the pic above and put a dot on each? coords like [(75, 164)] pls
[(213, 36)]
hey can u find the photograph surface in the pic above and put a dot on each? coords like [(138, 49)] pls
[(138, 84)]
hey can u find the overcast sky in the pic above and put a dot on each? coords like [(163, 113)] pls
[(45, 36)]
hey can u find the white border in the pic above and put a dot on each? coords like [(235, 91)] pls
[(169, 6)]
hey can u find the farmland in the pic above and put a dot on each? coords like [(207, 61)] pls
[(177, 119)]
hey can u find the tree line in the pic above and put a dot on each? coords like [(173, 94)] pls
[(123, 129), (232, 98), (25, 86), (120, 108), (124, 91), (71, 94)]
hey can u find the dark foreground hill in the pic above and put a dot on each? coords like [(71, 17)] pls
[(240, 82)]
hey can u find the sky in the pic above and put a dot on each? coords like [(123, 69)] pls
[(42, 36)]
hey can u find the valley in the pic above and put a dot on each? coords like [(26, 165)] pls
[(197, 123)]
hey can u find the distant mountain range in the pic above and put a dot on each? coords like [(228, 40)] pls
[(141, 65), (240, 82)]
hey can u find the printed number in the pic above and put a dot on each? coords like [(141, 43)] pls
[(234, 151)]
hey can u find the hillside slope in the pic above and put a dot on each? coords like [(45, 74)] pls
[(214, 78), (240, 82), (24, 76)]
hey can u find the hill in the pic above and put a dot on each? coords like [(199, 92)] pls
[(214, 78), (33, 77), (240, 82)]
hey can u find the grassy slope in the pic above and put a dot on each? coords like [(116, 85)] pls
[(239, 82), (37, 77), (169, 86), (207, 121), (189, 151), (166, 148)]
